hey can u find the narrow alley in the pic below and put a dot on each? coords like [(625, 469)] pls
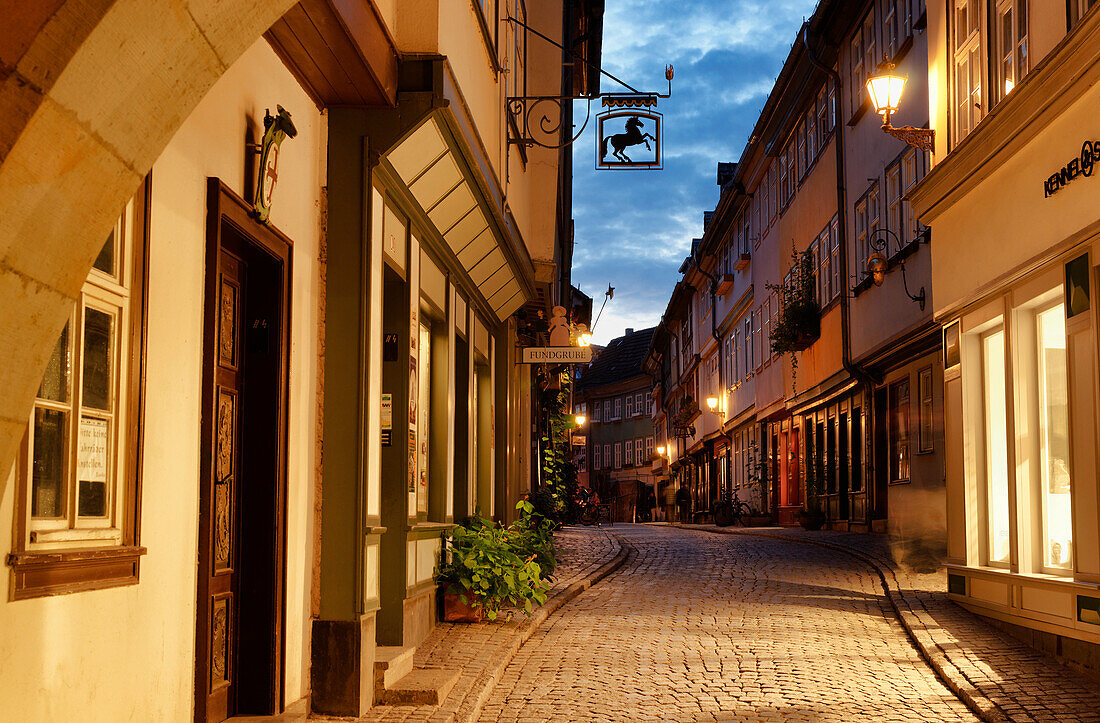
[(697, 626)]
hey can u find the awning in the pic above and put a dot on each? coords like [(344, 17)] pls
[(429, 162)]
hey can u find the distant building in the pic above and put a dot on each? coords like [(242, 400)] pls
[(615, 391)]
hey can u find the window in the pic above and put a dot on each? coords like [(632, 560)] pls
[(79, 477), (899, 431), (595, 411), (824, 118), (639, 452), (638, 408), (871, 57), (867, 222), (1009, 42), (897, 24), (648, 447), (606, 456), (424, 423), (648, 404), (618, 408), (607, 410), (925, 411), (995, 444), (629, 405), (834, 259), (1052, 404), (595, 456), (858, 77), (1077, 10), (803, 156), (968, 67), (618, 455), (628, 449)]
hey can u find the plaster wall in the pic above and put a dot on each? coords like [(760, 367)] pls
[(131, 649)]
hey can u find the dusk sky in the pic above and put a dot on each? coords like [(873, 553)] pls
[(634, 228)]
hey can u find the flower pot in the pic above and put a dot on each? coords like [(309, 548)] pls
[(810, 520), (456, 611)]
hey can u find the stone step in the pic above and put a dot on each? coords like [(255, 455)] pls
[(391, 664), (421, 686)]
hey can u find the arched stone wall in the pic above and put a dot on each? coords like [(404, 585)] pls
[(91, 91)]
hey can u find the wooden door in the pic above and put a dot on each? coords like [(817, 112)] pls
[(242, 486), (220, 536)]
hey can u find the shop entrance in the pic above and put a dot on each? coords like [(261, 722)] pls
[(242, 499)]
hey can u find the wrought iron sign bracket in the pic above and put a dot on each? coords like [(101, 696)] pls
[(545, 131), (879, 264)]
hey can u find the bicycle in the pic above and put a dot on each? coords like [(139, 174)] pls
[(730, 509), (588, 507)]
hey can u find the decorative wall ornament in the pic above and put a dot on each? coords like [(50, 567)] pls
[(219, 643), (276, 128)]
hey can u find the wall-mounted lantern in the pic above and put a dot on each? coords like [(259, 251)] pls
[(884, 89), (878, 264)]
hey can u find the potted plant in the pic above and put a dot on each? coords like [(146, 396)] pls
[(799, 323), (488, 566)]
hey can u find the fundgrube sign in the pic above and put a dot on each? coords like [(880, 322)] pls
[(557, 355)]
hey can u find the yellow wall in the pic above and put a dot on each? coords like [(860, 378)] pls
[(130, 650)]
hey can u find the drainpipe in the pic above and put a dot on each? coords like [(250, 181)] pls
[(868, 379)]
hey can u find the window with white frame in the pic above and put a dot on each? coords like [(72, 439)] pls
[(607, 410), (79, 473), (629, 405), (639, 452), (596, 411), (648, 447), (596, 456), (628, 449), (648, 404), (606, 456), (857, 76), (834, 259), (965, 29), (618, 455), (639, 408), (618, 414), (995, 446), (1009, 45), (867, 223)]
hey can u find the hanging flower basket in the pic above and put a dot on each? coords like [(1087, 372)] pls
[(682, 426)]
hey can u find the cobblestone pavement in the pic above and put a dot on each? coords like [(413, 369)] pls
[(1009, 680), (701, 627), (481, 650)]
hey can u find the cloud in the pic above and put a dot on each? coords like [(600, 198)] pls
[(634, 228)]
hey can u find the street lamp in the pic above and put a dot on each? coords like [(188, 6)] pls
[(712, 403), (884, 90), (661, 450), (580, 419)]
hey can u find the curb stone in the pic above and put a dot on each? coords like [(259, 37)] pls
[(489, 678), (911, 621)]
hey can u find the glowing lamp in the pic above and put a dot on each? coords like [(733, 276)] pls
[(580, 420), (661, 450), (884, 90), (712, 403)]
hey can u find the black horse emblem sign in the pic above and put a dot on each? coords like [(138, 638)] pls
[(629, 139)]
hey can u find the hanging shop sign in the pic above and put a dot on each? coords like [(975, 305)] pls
[(276, 128), (579, 440), (629, 138), (1080, 166), (556, 355)]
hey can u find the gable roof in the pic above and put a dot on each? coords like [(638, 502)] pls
[(620, 360)]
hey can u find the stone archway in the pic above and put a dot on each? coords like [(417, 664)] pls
[(91, 91)]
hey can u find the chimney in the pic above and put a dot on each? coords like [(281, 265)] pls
[(726, 172), (629, 332)]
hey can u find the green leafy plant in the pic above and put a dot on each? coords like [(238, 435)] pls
[(558, 479), (682, 420), (799, 323), (532, 536), (489, 566)]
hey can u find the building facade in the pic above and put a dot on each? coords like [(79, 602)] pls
[(1011, 204), (619, 441), (851, 419), (294, 363)]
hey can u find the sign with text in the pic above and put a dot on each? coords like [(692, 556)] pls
[(556, 355), (579, 440), (387, 419)]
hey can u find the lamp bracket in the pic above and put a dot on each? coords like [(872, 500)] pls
[(879, 240), (920, 138)]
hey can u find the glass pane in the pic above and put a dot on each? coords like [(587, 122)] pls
[(105, 262), (48, 463), (1054, 438), (97, 359), (59, 369), (424, 418), (996, 445), (92, 466)]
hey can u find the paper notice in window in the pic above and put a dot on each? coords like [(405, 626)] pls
[(91, 455)]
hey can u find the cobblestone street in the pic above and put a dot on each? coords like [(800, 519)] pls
[(718, 627)]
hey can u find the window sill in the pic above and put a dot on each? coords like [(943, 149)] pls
[(40, 574)]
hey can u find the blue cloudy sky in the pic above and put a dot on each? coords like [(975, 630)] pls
[(634, 228)]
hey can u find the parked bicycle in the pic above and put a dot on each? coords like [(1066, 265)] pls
[(729, 509), (587, 506)]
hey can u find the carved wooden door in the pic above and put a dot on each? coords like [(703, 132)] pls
[(219, 543)]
